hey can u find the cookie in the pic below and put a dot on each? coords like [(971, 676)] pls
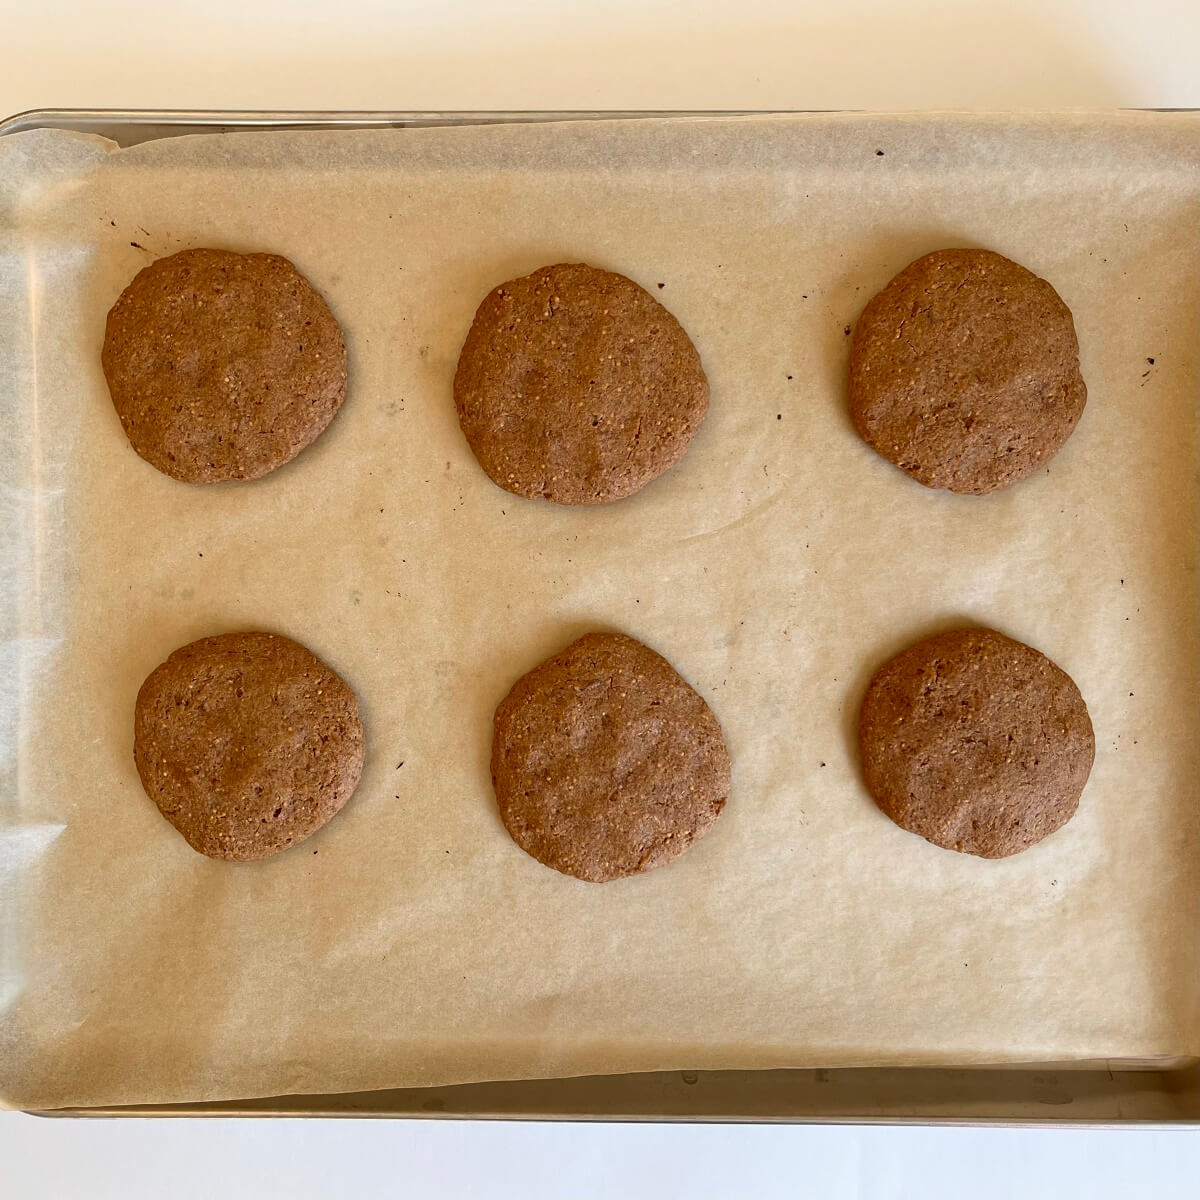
[(576, 385), (222, 366), (976, 742), (605, 762), (247, 743), (964, 372)]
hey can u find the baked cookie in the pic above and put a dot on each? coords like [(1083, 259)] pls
[(976, 742), (605, 762), (576, 385), (964, 372), (247, 743), (221, 365)]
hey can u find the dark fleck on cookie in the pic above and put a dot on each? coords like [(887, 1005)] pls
[(964, 372), (576, 385), (976, 742), (221, 365), (605, 762), (247, 743)]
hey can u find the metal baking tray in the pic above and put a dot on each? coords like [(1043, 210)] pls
[(1096, 1094)]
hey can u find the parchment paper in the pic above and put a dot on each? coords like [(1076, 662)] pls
[(410, 942)]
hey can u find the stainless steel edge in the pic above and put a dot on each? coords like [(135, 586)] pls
[(1062, 1095), (128, 126)]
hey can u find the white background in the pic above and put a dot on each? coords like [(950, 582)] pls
[(459, 54)]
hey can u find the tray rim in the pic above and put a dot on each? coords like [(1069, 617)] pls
[(249, 119), (1186, 1075)]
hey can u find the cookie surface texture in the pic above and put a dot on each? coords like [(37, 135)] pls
[(575, 385), (964, 372), (976, 742), (222, 366), (247, 743), (605, 762)]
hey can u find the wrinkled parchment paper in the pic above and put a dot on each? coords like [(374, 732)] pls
[(410, 942)]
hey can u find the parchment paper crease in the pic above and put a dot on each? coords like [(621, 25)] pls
[(777, 566)]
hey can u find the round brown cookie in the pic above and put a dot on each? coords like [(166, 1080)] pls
[(964, 372), (222, 366), (247, 743), (576, 385), (976, 742), (605, 762)]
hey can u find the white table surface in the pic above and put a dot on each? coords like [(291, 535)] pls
[(461, 54)]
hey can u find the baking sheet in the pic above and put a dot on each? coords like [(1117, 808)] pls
[(777, 566)]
